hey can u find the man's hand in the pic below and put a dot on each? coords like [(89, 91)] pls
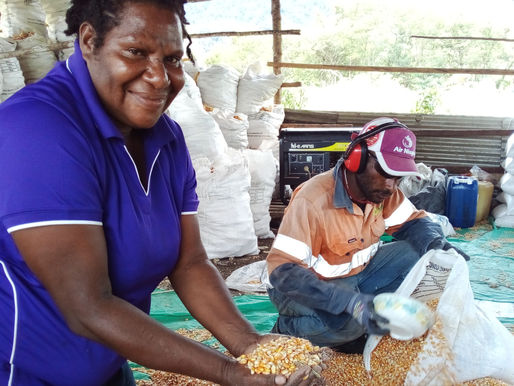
[(445, 246), (363, 311)]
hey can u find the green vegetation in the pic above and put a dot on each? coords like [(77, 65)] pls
[(378, 33)]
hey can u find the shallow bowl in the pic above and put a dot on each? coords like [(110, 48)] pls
[(408, 318)]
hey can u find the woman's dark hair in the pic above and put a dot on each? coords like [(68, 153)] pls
[(103, 15)]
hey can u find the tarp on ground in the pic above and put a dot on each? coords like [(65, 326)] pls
[(491, 271)]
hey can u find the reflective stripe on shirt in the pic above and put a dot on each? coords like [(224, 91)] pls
[(401, 214), (295, 248), (323, 268), (302, 252)]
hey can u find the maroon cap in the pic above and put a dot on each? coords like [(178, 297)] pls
[(394, 147)]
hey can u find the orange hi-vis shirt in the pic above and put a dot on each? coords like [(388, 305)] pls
[(323, 230)]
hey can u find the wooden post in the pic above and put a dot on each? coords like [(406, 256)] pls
[(277, 41)]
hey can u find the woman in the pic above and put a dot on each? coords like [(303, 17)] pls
[(97, 206)]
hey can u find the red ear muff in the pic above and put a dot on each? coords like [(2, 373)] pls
[(356, 155), (357, 158)]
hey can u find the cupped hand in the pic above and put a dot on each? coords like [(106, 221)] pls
[(305, 375)]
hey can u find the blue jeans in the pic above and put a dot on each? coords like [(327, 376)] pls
[(384, 273)]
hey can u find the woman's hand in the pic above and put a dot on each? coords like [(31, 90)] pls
[(305, 375)]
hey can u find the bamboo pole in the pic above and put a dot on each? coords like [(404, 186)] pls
[(461, 38), (50, 47), (247, 33), (426, 70), (291, 84), (277, 41)]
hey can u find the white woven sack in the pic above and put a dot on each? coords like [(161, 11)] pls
[(500, 211), (505, 198), (224, 214), (263, 170), (480, 346), (508, 165), (218, 86), (255, 89), (507, 183), (21, 16), (504, 222), (12, 75), (265, 125), (273, 145), (202, 134), (233, 126), (36, 63)]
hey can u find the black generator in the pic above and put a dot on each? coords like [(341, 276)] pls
[(307, 151)]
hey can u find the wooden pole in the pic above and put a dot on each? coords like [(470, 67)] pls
[(426, 70), (461, 38), (277, 41), (50, 47), (247, 33)]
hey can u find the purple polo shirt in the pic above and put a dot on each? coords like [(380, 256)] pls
[(62, 161)]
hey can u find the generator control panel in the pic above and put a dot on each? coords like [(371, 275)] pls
[(305, 152)]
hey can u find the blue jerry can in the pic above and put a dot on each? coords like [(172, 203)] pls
[(461, 201)]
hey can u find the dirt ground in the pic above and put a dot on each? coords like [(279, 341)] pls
[(227, 265)]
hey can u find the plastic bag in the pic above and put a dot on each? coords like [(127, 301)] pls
[(480, 345), (249, 278)]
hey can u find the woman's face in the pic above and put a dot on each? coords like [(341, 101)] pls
[(137, 71)]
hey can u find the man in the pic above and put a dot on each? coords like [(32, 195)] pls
[(327, 262)]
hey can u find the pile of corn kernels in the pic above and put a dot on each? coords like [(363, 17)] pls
[(281, 356)]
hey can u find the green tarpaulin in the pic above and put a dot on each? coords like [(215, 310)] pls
[(491, 272)]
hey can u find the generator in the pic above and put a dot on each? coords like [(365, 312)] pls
[(307, 151)]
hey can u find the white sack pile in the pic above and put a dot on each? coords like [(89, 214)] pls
[(55, 17), (263, 169), (235, 187), (226, 225), (504, 213), (38, 61), (217, 136), (203, 135), (22, 16), (31, 26), (12, 75)]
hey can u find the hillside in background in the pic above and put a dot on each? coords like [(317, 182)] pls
[(372, 33)]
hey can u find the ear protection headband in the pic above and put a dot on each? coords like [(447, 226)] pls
[(356, 155)]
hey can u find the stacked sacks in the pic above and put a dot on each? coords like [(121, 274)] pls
[(38, 60), (263, 170), (223, 178), (234, 127), (504, 213), (22, 16), (203, 136), (245, 113), (55, 17), (224, 213), (12, 75), (256, 90), (218, 86)]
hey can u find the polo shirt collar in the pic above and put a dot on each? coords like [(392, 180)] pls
[(341, 198), (76, 65)]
